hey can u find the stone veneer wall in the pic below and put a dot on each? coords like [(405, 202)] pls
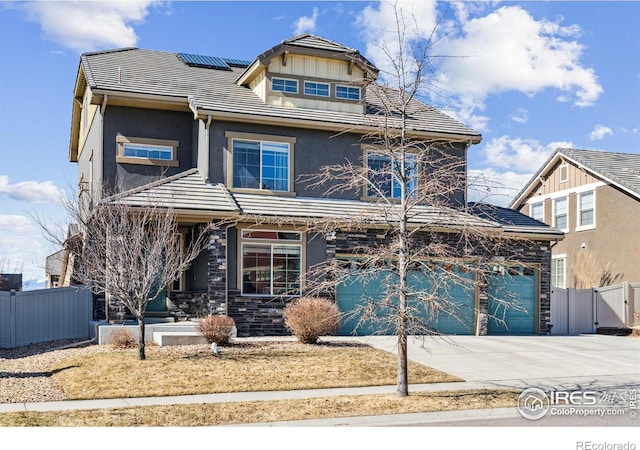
[(259, 316), (217, 270)]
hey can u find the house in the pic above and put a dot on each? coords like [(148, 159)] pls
[(225, 141), (594, 197), (53, 268)]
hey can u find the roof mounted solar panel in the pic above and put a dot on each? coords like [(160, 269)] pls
[(241, 63), (207, 62)]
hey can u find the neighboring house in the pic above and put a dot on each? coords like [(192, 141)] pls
[(53, 268), (221, 140), (594, 197)]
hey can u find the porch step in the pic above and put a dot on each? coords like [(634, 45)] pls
[(165, 338)]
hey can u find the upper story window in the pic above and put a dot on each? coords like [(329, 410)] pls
[(284, 85), (347, 92), (384, 175), (271, 262), (586, 210), (561, 213), (318, 89), (158, 152), (261, 162), (537, 211)]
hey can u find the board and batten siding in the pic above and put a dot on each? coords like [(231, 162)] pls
[(576, 178), (44, 315), (313, 69)]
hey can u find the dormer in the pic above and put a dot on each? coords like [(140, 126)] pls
[(311, 72)]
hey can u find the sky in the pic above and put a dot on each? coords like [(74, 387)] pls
[(530, 76)]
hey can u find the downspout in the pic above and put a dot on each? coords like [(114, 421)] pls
[(103, 108), (466, 180)]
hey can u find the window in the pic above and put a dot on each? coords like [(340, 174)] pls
[(383, 173), (348, 92), (159, 152), (261, 165), (558, 271), (148, 151), (586, 210), (536, 211), (319, 89), (564, 173), (271, 262), (560, 214), (284, 85)]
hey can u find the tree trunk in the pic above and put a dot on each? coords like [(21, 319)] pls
[(141, 354), (403, 377)]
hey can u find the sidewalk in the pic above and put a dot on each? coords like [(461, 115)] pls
[(232, 397)]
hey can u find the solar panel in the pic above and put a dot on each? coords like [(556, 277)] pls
[(208, 62), (242, 63)]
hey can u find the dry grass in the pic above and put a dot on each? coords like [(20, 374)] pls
[(238, 368), (260, 412)]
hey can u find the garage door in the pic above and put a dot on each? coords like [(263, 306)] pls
[(512, 301), (354, 293)]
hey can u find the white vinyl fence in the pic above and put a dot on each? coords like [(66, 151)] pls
[(576, 311), (44, 315)]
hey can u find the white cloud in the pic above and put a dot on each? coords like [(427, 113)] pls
[(518, 154), (599, 133), (306, 24), (22, 244), (503, 51), (31, 191), (520, 116), (90, 25), (379, 24), (492, 186)]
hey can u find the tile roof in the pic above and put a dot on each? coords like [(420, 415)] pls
[(511, 219), (620, 169), (188, 192), (155, 73)]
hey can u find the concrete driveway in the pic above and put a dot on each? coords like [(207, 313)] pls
[(516, 361)]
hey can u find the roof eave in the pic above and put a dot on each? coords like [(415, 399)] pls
[(329, 126)]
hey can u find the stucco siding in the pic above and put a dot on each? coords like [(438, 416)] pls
[(145, 123)]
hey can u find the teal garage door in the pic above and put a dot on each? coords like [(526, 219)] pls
[(512, 301), (457, 316)]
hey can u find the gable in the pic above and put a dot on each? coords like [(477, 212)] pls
[(563, 175)]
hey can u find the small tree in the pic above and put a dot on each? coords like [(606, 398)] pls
[(129, 254), (426, 244)]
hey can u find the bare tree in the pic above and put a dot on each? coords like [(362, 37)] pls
[(129, 254), (588, 272), (425, 245)]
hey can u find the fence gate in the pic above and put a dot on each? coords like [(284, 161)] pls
[(572, 311), (576, 311)]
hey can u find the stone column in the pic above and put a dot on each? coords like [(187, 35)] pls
[(217, 270)]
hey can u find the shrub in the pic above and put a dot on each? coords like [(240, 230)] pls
[(122, 338), (308, 318), (216, 329)]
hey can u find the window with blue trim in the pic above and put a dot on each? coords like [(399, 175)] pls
[(348, 92), (284, 85), (318, 89)]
